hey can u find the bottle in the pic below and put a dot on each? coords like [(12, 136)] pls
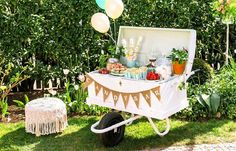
[(111, 62)]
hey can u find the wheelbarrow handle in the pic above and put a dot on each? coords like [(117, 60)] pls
[(99, 131), (196, 70), (191, 73)]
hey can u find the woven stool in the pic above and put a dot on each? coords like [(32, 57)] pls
[(45, 116)]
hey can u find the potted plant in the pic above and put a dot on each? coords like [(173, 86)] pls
[(225, 10), (179, 58)]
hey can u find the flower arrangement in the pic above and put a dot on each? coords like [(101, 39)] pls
[(225, 9), (131, 49)]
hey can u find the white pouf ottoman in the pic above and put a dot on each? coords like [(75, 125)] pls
[(45, 116)]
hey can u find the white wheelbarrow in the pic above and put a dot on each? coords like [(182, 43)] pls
[(163, 98)]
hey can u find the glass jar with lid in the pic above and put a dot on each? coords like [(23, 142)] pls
[(111, 62), (164, 67)]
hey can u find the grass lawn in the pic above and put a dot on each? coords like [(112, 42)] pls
[(137, 136)]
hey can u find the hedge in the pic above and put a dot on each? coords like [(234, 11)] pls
[(58, 32)]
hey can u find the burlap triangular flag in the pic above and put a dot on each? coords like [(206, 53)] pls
[(115, 96), (106, 93), (135, 97), (88, 81), (125, 98), (147, 96), (156, 92), (97, 88)]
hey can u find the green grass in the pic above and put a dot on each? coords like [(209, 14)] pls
[(137, 136)]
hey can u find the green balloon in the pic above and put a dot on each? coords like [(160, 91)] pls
[(101, 3)]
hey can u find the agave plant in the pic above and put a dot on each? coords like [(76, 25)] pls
[(211, 102)]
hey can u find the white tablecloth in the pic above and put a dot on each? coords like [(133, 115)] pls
[(172, 99)]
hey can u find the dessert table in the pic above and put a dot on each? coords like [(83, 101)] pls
[(156, 99)]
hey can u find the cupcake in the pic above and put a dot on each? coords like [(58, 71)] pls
[(143, 72), (128, 74)]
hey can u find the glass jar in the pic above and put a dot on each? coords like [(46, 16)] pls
[(164, 67), (151, 65), (111, 62)]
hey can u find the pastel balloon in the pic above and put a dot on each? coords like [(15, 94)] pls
[(100, 22), (114, 8), (101, 3)]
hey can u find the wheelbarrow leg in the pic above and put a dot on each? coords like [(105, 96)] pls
[(156, 129)]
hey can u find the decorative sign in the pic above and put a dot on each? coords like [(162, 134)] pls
[(125, 96)]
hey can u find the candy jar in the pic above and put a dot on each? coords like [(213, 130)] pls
[(164, 67), (111, 62), (152, 61)]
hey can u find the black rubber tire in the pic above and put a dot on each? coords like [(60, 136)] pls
[(111, 138)]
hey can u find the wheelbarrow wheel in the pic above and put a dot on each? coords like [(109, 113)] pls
[(115, 136)]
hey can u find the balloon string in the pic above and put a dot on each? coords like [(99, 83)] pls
[(111, 38), (114, 28), (111, 33)]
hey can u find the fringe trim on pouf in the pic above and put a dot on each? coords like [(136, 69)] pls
[(46, 128)]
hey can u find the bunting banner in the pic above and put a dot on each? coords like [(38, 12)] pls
[(115, 96), (97, 87), (136, 98), (125, 96), (147, 96), (88, 81), (106, 93), (156, 92)]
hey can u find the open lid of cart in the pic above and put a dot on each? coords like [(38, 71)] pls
[(161, 41)]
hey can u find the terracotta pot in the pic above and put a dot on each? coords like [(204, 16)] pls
[(178, 68)]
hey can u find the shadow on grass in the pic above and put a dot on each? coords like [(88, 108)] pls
[(79, 140), (188, 132), (16, 138), (84, 139)]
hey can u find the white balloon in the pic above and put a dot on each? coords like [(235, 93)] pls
[(114, 8), (100, 22)]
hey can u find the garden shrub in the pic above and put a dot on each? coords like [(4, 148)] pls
[(10, 77), (195, 111), (204, 74), (224, 84), (75, 99)]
